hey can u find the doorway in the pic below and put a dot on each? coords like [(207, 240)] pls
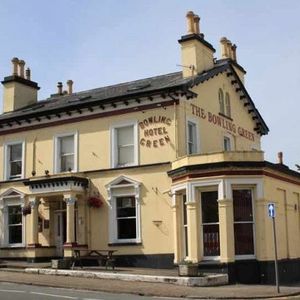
[(60, 231)]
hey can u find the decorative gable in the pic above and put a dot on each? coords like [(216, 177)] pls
[(12, 193)]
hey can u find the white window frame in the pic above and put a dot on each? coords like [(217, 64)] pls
[(57, 160), (197, 142), (7, 156), (7, 200), (114, 144), (115, 190)]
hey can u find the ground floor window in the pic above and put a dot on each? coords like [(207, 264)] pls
[(15, 224), (126, 217), (210, 223), (243, 222)]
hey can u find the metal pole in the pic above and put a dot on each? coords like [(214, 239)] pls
[(276, 261)]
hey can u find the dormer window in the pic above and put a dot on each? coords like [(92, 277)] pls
[(221, 102)]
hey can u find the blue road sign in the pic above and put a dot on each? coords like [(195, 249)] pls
[(271, 210)]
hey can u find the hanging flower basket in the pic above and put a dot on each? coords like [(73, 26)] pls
[(26, 210), (96, 202)]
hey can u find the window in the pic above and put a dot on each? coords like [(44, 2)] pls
[(243, 222), (15, 225), (221, 102), (126, 217), (65, 153), (210, 223), (124, 145), (227, 143), (227, 106), (14, 157), (12, 221), (191, 137)]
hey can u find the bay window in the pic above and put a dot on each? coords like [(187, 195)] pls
[(243, 222)]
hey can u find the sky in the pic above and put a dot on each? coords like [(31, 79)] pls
[(101, 42)]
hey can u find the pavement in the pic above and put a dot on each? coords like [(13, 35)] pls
[(151, 289)]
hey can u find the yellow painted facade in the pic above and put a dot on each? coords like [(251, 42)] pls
[(191, 142)]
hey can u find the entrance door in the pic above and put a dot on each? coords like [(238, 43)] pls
[(210, 224), (60, 232)]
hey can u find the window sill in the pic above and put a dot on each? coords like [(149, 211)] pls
[(125, 244), (226, 117)]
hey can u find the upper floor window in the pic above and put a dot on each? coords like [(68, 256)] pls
[(65, 153), (124, 145), (227, 106), (227, 143), (191, 137), (14, 160), (221, 102)]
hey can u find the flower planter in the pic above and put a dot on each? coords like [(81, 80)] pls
[(188, 270)]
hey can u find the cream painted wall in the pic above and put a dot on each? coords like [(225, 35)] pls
[(94, 140), (286, 198), (211, 135)]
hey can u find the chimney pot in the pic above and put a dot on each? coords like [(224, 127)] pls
[(28, 74), (60, 88), (233, 48), (190, 22), (21, 68), (229, 48), (280, 158), (15, 62), (70, 87), (197, 24)]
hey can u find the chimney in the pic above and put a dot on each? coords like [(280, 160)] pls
[(28, 74), (228, 51), (70, 87), (59, 88), (280, 158), (18, 91), (196, 53)]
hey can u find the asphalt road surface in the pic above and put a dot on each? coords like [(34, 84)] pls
[(12, 291)]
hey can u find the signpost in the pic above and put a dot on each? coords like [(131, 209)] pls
[(272, 214)]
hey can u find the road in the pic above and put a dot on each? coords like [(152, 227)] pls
[(12, 291)]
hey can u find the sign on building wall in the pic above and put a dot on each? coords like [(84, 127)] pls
[(155, 131), (222, 122)]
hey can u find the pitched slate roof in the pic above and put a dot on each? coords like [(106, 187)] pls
[(167, 83)]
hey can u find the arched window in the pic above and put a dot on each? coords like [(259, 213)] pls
[(227, 105), (221, 102)]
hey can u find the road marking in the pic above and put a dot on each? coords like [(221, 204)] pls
[(53, 295), (12, 291)]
